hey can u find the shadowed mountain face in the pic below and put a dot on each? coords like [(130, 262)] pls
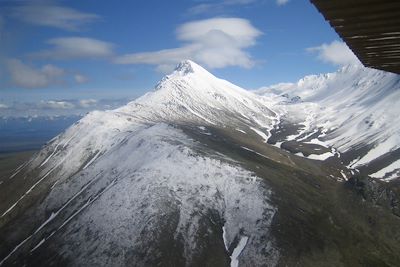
[(190, 175)]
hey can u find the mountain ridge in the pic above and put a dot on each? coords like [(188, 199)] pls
[(355, 108)]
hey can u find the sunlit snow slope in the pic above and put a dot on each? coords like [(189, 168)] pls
[(355, 110)]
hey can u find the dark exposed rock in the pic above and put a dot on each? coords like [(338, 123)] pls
[(386, 195)]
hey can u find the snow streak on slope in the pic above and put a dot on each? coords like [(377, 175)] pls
[(352, 108)]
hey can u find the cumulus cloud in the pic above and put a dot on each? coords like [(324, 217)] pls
[(80, 78), (53, 16), (336, 53), (281, 2), (53, 104), (26, 76), (58, 107), (216, 43), (87, 103), (69, 104), (75, 48), (240, 31)]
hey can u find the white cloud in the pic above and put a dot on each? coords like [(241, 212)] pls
[(53, 16), (52, 104), (58, 107), (52, 71), (336, 53), (79, 78), (240, 31), (281, 2), (76, 47), (86, 103), (26, 76), (216, 43)]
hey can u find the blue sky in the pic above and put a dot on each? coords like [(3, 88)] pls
[(101, 50)]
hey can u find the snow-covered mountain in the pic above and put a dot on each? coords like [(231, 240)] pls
[(133, 173), (198, 172), (355, 110)]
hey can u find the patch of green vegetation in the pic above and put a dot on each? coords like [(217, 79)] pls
[(11, 161)]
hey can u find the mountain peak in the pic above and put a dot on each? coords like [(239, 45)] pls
[(189, 73), (187, 67)]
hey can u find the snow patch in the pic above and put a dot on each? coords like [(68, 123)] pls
[(393, 169), (322, 157), (238, 250), (239, 130), (260, 133)]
